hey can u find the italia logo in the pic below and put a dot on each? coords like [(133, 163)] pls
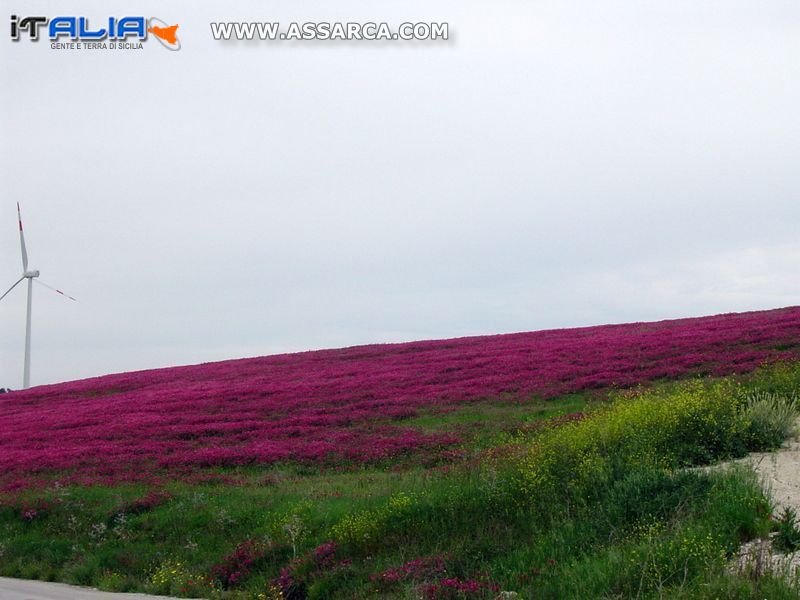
[(78, 29)]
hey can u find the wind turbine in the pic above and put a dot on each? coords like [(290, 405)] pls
[(31, 276)]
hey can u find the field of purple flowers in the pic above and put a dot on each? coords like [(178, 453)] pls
[(350, 404)]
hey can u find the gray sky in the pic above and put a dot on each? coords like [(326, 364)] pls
[(554, 164)]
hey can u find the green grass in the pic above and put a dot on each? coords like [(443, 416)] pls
[(598, 508), (485, 423)]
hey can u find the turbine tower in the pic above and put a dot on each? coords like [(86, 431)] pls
[(31, 276)]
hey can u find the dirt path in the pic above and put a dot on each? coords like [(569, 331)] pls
[(23, 589), (780, 474)]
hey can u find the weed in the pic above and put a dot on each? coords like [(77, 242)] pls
[(788, 533)]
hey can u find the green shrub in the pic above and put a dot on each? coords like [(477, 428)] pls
[(362, 528), (788, 538), (647, 494), (111, 581), (771, 418), (739, 507), (664, 560), (689, 424)]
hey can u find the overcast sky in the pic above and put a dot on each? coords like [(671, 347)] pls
[(554, 164)]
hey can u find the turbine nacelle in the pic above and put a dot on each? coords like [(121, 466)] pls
[(30, 274)]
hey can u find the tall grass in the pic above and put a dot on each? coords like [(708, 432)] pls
[(771, 418)]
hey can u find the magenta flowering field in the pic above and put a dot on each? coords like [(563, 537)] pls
[(348, 404)]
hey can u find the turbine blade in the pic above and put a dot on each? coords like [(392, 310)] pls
[(50, 287), (12, 287), (22, 241)]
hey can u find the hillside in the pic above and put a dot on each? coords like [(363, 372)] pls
[(355, 404), (550, 464)]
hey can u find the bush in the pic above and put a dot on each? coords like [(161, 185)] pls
[(361, 528), (771, 419), (689, 424), (175, 577), (788, 538), (238, 565)]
